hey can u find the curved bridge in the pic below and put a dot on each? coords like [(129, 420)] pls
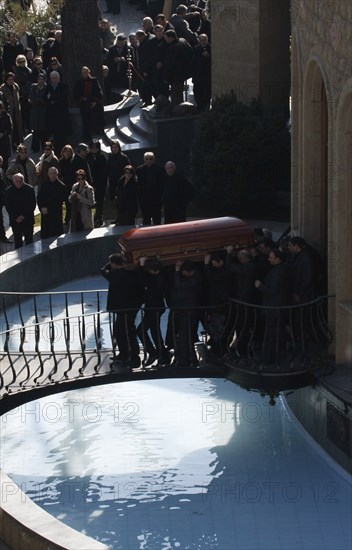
[(55, 341)]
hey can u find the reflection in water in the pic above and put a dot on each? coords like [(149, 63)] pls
[(187, 464)]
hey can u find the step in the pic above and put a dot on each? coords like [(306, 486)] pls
[(138, 119), (123, 130), (123, 106)]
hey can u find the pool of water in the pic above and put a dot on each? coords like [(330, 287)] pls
[(189, 464)]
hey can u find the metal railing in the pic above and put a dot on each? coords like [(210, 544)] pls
[(285, 339), (53, 337)]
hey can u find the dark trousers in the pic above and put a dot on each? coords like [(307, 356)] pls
[(151, 322), (20, 230), (38, 139), (151, 214), (2, 227), (176, 92), (183, 326), (99, 203), (92, 119), (202, 95), (124, 331)]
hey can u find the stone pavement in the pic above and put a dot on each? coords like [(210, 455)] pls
[(128, 20)]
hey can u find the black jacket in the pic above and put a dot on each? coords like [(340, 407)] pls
[(150, 184), (306, 269), (125, 288), (178, 61), (20, 202), (116, 164), (155, 290), (96, 94), (177, 193), (79, 163), (276, 287), (51, 196), (187, 291)]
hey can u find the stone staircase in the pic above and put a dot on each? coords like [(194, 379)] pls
[(128, 122)]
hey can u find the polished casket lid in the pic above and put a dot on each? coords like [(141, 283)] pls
[(175, 241), (186, 231)]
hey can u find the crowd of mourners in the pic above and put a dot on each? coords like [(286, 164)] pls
[(155, 60), (271, 275)]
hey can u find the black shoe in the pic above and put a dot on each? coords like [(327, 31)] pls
[(135, 363), (151, 359), (5, 240), (165, 359)]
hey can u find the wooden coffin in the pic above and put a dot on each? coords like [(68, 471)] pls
[(185, 241)]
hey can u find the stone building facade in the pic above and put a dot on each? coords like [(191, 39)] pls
[(250, 50), (253, 42), (321, 179)]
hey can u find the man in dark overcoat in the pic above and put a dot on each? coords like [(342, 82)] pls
[(20, 204), (306, 265), (6, 128), (177, 193), (150, 179), (58, 116), (89, 95), (177, 65), (201, 73), (125, 296), (275, 290)]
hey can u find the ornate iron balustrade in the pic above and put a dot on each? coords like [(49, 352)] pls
[(50, 338), (285, 339)]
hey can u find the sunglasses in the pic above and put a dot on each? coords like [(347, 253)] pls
[(47, 149), (80, 177)]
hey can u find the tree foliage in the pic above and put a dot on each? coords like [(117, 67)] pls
[(240, 157), (14, 18)]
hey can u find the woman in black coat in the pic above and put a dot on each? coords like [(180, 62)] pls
[(127, 197), (38, 115), (5, 136), (117, 161)]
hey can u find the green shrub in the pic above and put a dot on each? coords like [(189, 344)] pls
[(240, 158)]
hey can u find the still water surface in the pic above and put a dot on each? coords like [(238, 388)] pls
[(189, 464)]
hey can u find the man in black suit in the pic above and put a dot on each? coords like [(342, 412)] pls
[(125, 296), (20, 204), (89, 95), (275, 290), (150, 178)]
